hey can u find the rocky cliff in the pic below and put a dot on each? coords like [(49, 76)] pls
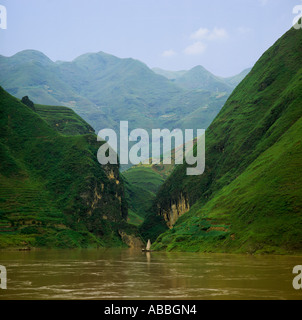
[(175, 209)]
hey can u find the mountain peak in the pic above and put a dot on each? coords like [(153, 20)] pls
[(91, 55), (200, 78), (199, 68), (28, 55)]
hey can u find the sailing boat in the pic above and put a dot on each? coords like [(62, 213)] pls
[(148, 247)]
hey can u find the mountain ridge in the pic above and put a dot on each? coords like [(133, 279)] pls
[(196, 76), (104, 89)]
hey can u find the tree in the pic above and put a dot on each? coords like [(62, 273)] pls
[(25, 100)]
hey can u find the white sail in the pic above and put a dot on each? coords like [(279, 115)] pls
[(148, 245)]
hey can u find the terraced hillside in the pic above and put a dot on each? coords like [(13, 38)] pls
[(64, 120)]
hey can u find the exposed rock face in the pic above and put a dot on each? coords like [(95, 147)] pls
[(97, 197), (131, 240), (176, 209), (105, 199)]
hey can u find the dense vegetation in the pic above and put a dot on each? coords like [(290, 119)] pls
[(53, 192), (141, 186), (63, 120), (250, 197), (142, 183)]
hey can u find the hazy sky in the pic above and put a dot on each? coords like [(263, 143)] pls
[(225, 36)]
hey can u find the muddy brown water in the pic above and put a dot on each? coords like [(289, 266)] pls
[(125, 274)]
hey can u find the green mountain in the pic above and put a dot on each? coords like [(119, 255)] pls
[(53, 191), (200, 78), (104, 90), (235, 80), (249, 198), (63, 120), (32, 73), (141, 185), (171, 75)]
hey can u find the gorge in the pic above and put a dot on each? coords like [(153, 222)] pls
[(55, 193)]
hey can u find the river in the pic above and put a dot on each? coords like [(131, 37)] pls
[(130, 274)]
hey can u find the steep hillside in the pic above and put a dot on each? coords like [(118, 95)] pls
[(64, 120), (141, 185), (250, 196), (53, 192)]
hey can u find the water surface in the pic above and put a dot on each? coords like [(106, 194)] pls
[(131, 274)]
